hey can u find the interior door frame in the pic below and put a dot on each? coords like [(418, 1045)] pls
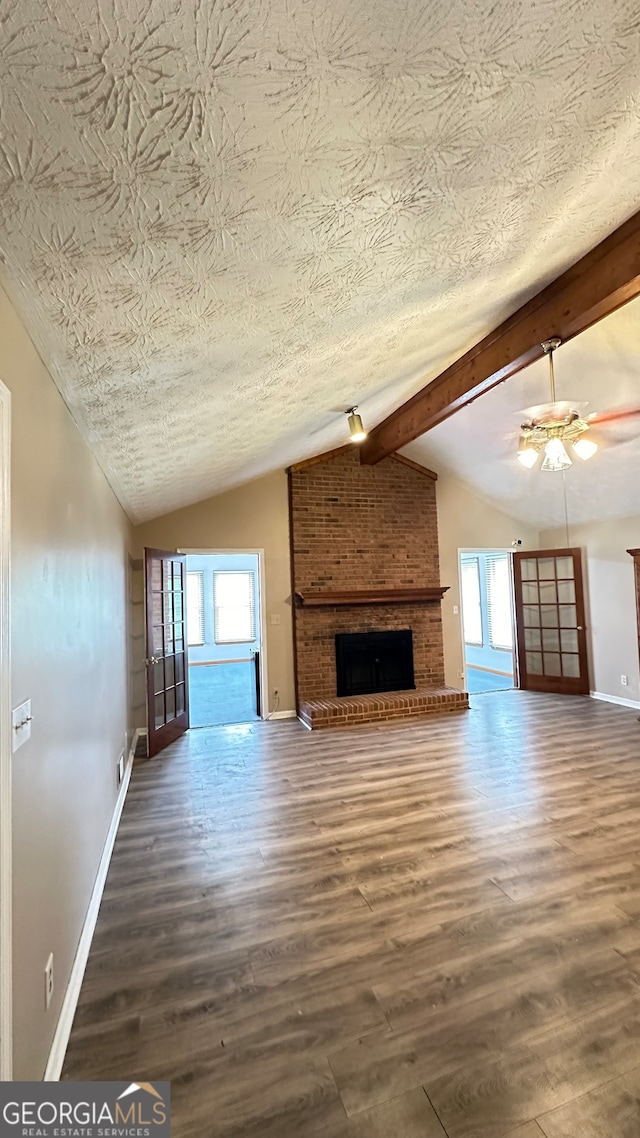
[(264, 684), (514, 628), (6, 984)]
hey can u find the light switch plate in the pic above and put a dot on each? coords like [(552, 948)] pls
[(275, 618), (21, 724)]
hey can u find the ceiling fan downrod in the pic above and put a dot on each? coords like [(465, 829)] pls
[(549, 347)]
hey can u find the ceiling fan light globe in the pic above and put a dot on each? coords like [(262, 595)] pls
[(555, 456), (527, 452), (528, 457), (585, 448)]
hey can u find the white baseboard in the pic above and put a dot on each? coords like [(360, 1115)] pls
[(72, 994), (634, 703), (282, 715)]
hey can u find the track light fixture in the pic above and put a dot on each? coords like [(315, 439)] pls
[(356, 429)]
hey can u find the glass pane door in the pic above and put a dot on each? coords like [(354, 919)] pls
[(552, 652), (167, 675)]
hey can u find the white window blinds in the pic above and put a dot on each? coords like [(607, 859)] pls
[(195, 608), (499, 601), (471, 607), (234, 607)]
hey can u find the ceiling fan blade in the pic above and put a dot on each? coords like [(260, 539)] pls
[(548, 411), (615, 433), (616, 416)]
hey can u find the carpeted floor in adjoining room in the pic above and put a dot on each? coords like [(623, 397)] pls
[(222, 693), (477, 680)]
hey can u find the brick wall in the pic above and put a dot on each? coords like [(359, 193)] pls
[(359, 527)]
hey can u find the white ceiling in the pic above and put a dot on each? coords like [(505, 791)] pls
[(223, 221), (598, 371)]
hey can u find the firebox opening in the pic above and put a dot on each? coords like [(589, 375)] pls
[(368, 662)]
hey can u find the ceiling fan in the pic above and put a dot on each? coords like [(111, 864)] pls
[(557, 424)]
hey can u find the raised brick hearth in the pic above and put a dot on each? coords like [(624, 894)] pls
[(343, 711), (370, 530)]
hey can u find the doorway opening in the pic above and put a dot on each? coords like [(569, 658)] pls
[(224, 637), (486, 590)]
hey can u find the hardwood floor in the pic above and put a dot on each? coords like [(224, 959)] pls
[(404, 931)]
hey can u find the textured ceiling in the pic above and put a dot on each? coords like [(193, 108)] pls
[(598, 371), (223, 221)]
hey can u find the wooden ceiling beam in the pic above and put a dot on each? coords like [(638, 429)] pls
[(598, 284)]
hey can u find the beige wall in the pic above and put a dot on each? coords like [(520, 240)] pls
[(254, 516), (467, 521), (69, 656), (610, 601), (136, 643)]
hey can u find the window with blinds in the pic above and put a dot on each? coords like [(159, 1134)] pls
[(195, 608), (471, 603), (234, 603), (498, 570)]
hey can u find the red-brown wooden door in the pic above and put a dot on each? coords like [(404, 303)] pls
[(550, 620), (166, 661)]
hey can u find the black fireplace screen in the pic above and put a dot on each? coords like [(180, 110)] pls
[(374, 661)]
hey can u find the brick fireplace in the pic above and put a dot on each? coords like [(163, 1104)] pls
[(364, 552)]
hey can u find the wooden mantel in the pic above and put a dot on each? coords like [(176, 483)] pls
[(327, 598)]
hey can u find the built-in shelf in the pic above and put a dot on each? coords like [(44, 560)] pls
[(327, 598)]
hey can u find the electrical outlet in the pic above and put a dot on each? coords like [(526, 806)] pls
[(624, 680), (120, 769), (455, 610), (48, 981)]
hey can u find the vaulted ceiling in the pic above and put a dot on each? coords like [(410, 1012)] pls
[(224, 221), (597, 371)]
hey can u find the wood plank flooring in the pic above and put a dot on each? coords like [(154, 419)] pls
[(420, 930)]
